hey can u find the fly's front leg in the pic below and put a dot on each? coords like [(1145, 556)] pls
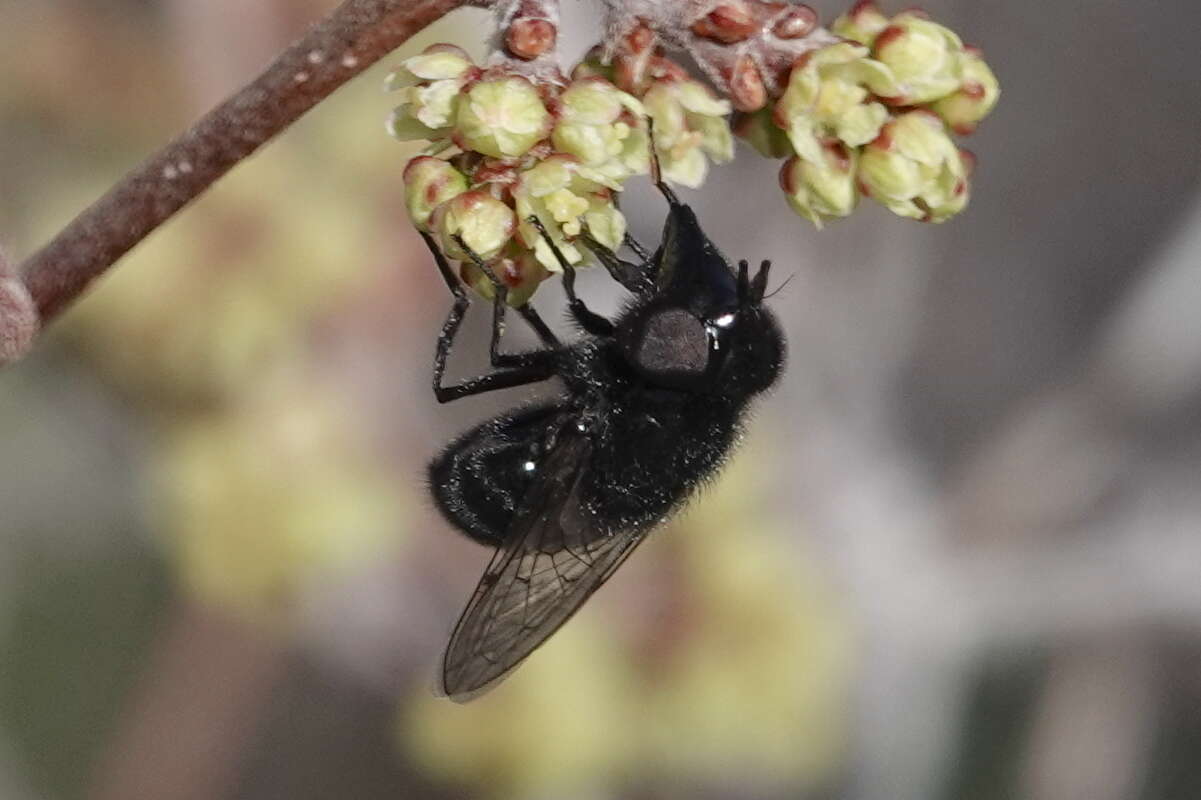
[(657, 170), (638, 249), (589, 320), (545, 334), (632, 276)]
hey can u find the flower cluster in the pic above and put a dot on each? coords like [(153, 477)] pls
[(871, 116), (691, 122), (504, 149), (868, 113)]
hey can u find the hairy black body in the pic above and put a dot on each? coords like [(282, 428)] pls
[(653, 402)]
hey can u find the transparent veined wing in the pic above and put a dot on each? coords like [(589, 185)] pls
[(554, 557)]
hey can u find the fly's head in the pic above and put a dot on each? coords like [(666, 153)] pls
[(703, 328)]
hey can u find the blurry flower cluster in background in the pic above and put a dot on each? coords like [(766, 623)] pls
[(956, 557)]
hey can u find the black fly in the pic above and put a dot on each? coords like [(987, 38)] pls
[(565, 490)]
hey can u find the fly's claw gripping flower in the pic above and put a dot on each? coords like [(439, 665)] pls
[(484, 223), (828, 97), (925, 60), (862, 24), (598, 124), (518, 269), (502, 118), (975, 98), (429, 182), (690, 123), (817, 190), (915, 170), (430, 84), (566, 195)]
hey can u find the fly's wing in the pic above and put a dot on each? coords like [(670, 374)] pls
[(554, 557)]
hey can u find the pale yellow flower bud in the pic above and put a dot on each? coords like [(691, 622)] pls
[(566, 208), (566, 195), (594, 125), (437, 63), (925, 58), (605, 222), (914, 169), (429, 182), (975, 98), (430, 84), (502, 118), (827, 96), (690, 123), (954, 190), (822, 189), (518, 269), (484, 223), (863, 23)]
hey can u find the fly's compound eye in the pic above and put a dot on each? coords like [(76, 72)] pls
[(671, 344)]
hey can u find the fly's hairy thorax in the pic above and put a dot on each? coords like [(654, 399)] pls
[(655, 448)]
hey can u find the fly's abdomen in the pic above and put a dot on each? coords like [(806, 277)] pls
[(481, 478)]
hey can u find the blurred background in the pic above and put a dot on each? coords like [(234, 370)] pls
[(959, 555)]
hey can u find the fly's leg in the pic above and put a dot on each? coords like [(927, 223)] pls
[(500, 295), (656, 170), (589, 320), (545, 334), (638, 249), (648, 261), (632, 276), (538, 367)]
